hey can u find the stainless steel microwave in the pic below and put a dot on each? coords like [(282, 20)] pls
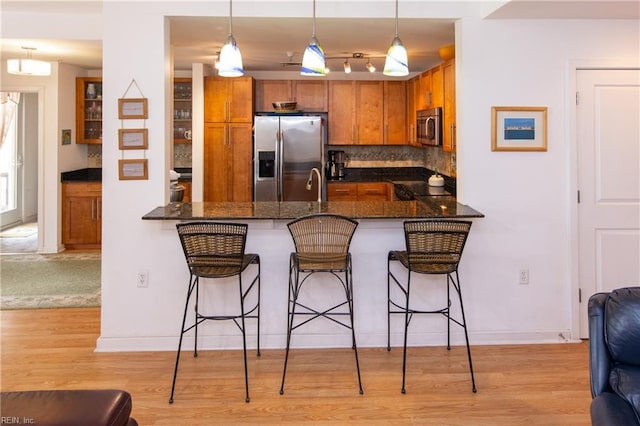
[(429, 126)]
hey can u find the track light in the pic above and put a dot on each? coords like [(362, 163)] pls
[(313, 62), (397, 63), (230, 61), (370, 66)]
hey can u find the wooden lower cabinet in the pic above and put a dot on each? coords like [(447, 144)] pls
[(361, 191), (187, 191), (228, 163), (82, 215)]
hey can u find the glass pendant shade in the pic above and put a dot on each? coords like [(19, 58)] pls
[(347, 67), (313, 62), (397, 62), (230, 60)]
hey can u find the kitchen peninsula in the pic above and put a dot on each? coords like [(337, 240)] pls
[(380, 229)]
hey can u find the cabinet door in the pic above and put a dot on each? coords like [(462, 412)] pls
[(240, 98), (80, 220), (369, 112), (89, 110), (423, 91), (310, 95), (412, 86), (215, 99), (341, 112), (240, 167), (395, 113), (449, 109), (436, 97), (269, 91), (227, 162), (216, 173)]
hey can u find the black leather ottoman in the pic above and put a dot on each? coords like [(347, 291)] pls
[(67, 407)]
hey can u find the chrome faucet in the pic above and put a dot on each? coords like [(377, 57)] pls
[(310, 180)]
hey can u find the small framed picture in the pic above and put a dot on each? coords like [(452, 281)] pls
[(133, 138), (518, 128), (66, 137), (133, 169), (129, 108)]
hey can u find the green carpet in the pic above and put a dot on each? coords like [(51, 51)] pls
[(49, 281)]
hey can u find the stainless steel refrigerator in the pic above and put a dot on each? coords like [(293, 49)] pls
[(286, 150)]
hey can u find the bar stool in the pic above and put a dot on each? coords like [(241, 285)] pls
[(432, 247), (216, 250), (322, 246)]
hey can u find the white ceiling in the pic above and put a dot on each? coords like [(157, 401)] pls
[(264, 42)]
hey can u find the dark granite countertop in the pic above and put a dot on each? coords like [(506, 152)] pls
[(82, 175), (426, 207)]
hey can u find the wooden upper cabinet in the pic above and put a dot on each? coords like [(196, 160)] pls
[(423, 91), (89, 110), (356, 112), (395, 93), (449, 108), (412, 87), (311, 96), (268, 91), (369, 112), (436, 98), (341, 112), (228, 99)]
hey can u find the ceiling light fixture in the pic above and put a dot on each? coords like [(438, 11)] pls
[(369, 66), (230, 60), (347, 67), (313, 62), (397, 63), (28, 66)]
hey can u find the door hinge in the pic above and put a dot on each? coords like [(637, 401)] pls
[(579, 295), (577, 98), (578, 196)]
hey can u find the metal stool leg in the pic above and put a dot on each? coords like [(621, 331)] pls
[(407, 318), (293, 297), (349, 282), (192, 283), (458, 289)]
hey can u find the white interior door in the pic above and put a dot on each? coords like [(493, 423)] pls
[(608, 138), (10, 166)]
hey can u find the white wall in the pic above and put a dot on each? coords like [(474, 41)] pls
[(528, 197)]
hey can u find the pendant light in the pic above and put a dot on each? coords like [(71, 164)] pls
[(313, 62), (230, 60), (397, 63), (28, 66)]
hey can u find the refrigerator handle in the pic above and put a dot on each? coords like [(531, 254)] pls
[(279, 154)]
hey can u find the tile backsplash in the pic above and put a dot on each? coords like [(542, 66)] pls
[(398, 156), (358, 156), (94, 156)]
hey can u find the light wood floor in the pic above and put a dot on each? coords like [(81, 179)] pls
[(517, 385)]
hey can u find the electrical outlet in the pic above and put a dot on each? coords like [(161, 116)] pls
[(524, 276), (143, 278)]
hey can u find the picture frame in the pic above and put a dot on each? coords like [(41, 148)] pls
[(135, 169), (518, 128), (133, 138), (65, 137), (132, 108)]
